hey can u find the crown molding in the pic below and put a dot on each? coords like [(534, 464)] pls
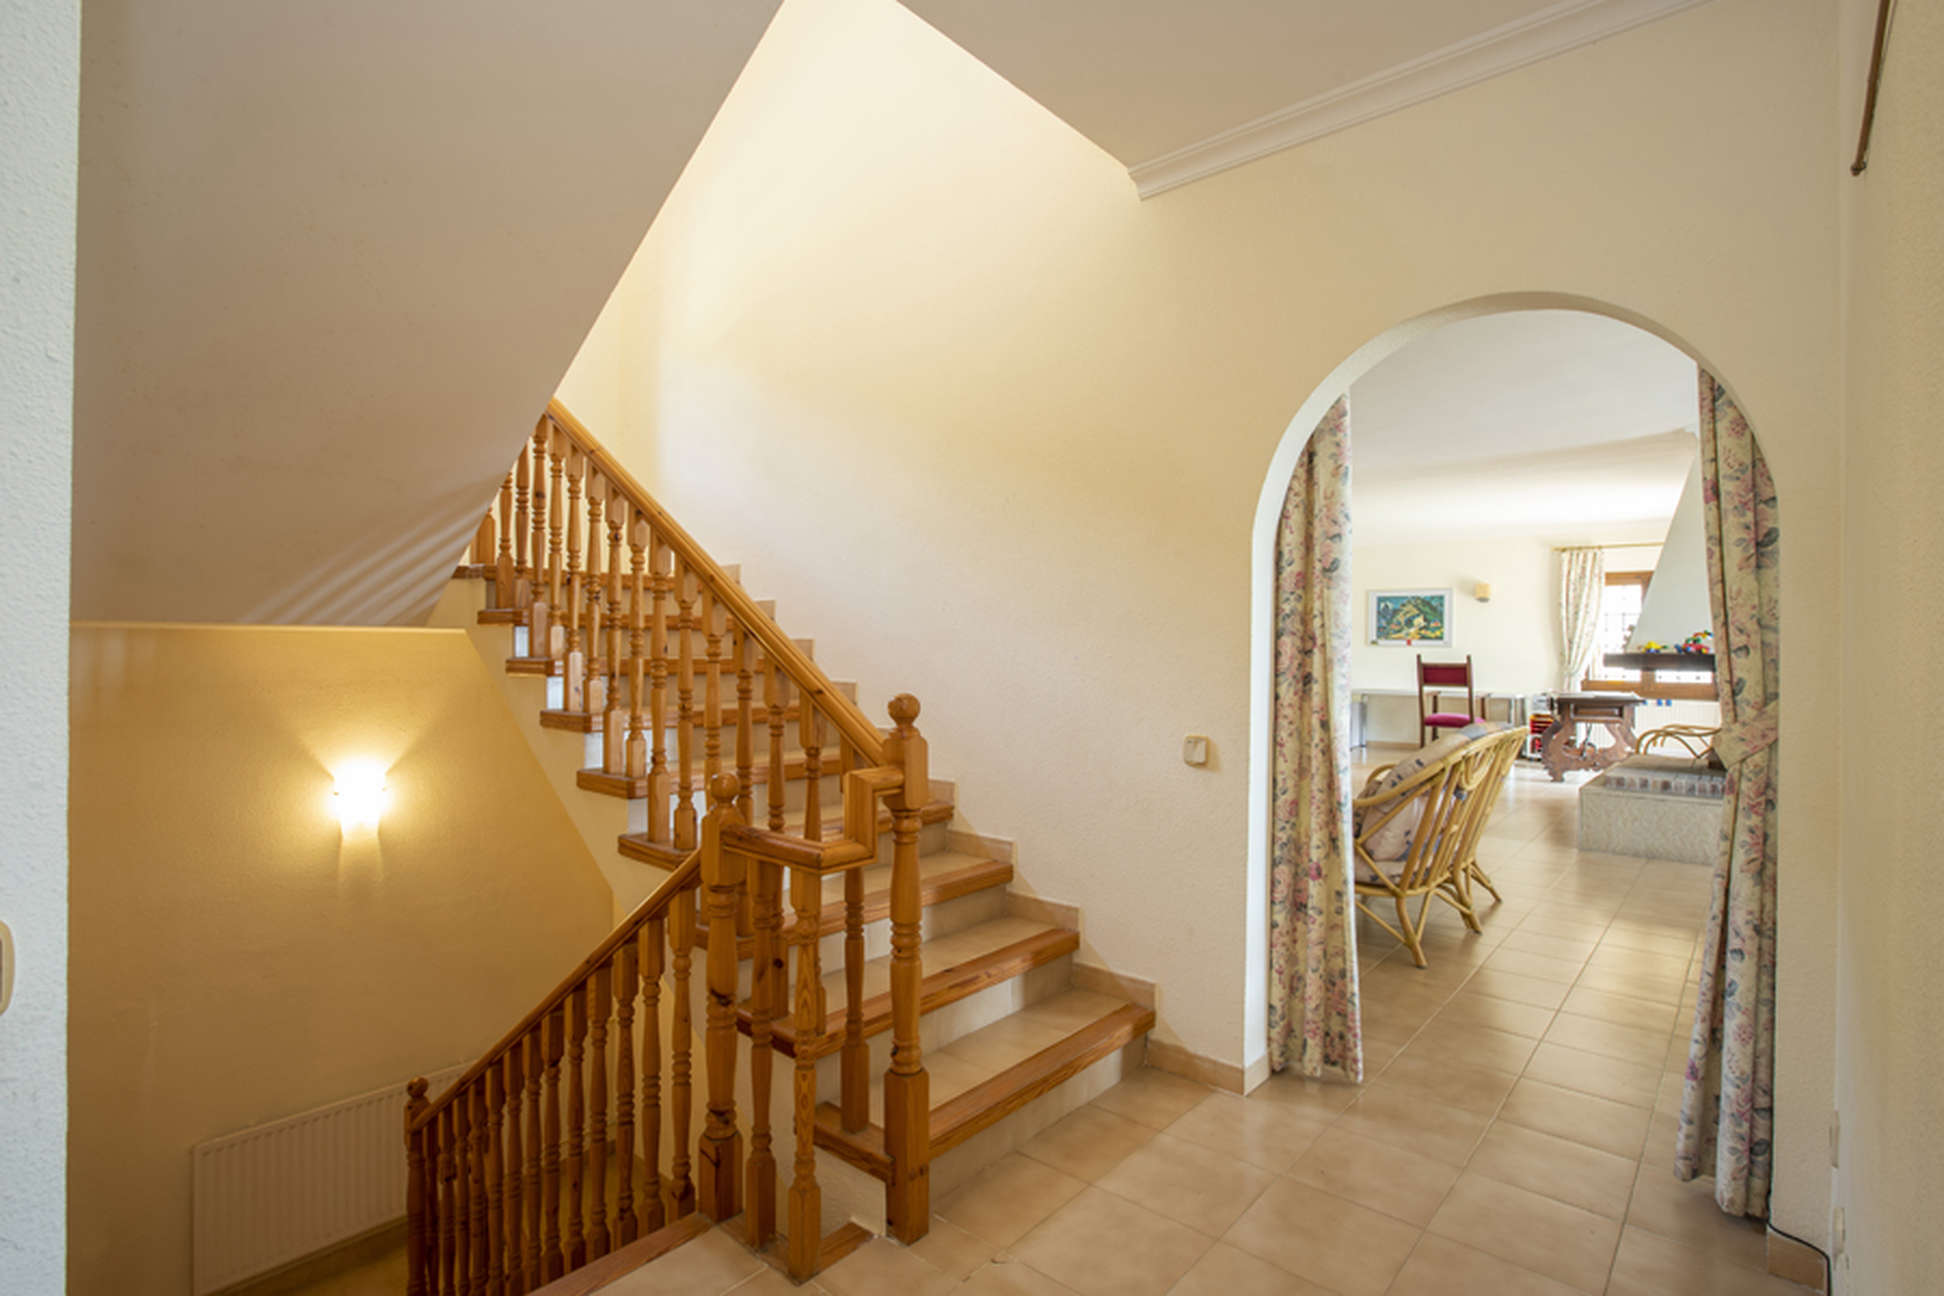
[(1478, 58)]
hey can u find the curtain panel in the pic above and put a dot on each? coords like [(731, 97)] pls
[(1314, 1028), (1726, 1121), (1582, 581)]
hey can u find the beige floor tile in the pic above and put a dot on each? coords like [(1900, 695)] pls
[(1641, 1014), (1457, 1042), (712, 1263), (1262, 1134), (1228, 1271), (1088, 1142), (1469, 1088), (1471, 1007), (1402, 1118), (1532, 1231), (1609, 1039), (1563, 971), (1332, 1242), (1687, 1213), (1558, 947), (770, 1281), (1010, 1278), (1651, 1265), (1555, 1167), (1604, 1077), (1658, 989), (1188, 1183), (1154, 1098), (1323, 1099), (1518, 989), (1009, 1198), (1390, 1179), (1442, 1267), (952, 1250), (881, 1267), (1103, 1245), (1662, 1130), (1601, 1123)]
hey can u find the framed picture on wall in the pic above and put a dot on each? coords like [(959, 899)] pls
[(1411, 617)]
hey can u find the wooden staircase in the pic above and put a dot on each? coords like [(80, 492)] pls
[(948, 1028)]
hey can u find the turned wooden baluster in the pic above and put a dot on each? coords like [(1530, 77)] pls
[(594, 648), (806, 1198), (854, 1066), (659, 829), (513, 1172), (482, 1243), (711, 690), (503, 574), (539, 612), (626, 978), (461, 1194), (776, 696), (483, 543), (685, 713), (551, 1261), (531, 1059), (719, 1156), (634, 752), (522, 531), (494, 1233), (448, 1187), (907, 1087), (575, 1167), (681, 932), (746, 724), (415, 1203), (765, 976), (557, 451), (597, 1105), (573, 659), (614, 746), (653, 937), (810, 738)]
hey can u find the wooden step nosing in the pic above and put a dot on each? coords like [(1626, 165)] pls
[(863, 1149)]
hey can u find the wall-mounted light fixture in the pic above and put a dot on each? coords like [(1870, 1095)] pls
[(360, 795), (1482, 591)]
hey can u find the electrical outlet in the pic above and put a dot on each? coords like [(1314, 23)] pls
[(1838, 1231), (1194, 749)]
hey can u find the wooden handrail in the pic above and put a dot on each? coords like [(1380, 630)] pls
[(686, 875), (805, 673)]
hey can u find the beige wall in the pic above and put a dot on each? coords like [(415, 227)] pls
[(235, 957), (995, 431), (40, 66), (333, 260), (1890, 1056)]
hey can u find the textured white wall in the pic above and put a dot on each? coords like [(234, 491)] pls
[(40, 68), (1890, 992)]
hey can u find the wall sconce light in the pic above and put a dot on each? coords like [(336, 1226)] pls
[(360, 796), (1482, 591)]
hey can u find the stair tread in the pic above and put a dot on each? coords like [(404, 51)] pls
[(980, 1077), (955, 966), (595, 779), (637, 846)]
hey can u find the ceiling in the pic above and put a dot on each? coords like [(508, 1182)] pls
[(1176, 90), (333, 260), (1555, 423)]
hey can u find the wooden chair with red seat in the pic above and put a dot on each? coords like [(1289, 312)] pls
[(1434, 677)]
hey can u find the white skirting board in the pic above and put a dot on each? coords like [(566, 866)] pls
[(275, 1193)]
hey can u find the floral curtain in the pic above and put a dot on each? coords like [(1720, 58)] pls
[(1726, 1107), (1313, 1017), (1582, 580)]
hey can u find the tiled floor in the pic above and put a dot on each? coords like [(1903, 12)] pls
[(1514, 1134)]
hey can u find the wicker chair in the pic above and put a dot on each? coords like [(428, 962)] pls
[(1450, 798)]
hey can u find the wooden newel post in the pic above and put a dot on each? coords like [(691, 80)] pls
[(907, 1088), (719, 1155), (415, 1236)]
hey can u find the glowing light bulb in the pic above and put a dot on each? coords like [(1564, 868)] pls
[(360, 795)]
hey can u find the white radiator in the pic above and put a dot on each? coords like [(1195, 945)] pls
[(278, 1192)]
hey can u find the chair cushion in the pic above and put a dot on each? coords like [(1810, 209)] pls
[(1447, 719), (1393, 840)]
